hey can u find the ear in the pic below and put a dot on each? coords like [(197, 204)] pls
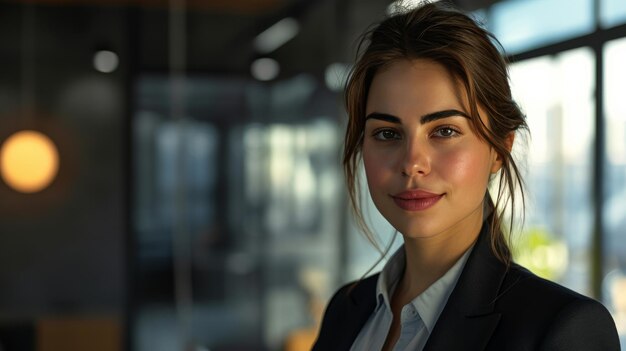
[(508, 143)]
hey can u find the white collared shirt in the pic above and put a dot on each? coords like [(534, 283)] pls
[(418, 317)]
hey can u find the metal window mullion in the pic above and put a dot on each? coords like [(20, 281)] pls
[(597, 247)]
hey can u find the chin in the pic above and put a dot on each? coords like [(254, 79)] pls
[(418, 235), (417, 230)]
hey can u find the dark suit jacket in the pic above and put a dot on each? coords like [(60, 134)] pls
[(490, 308)]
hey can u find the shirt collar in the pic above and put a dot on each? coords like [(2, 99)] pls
[(388, 278), (431, 302)]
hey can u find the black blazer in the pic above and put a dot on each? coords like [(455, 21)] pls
[(490, 308)]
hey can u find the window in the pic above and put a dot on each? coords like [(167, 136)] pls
[(556, 93), (612, 12), (526, 24), (614, 284)]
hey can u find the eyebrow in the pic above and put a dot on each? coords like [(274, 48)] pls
[(429, 117)]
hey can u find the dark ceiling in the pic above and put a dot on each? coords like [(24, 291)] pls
[(219, 33)]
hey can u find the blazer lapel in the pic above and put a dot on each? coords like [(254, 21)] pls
[(361, 302), (468, 320)]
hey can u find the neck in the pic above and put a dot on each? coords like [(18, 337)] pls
[(428, 259)]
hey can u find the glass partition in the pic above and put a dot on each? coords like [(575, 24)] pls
[(238, 213)]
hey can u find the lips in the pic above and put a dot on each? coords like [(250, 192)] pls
[(416, 200)]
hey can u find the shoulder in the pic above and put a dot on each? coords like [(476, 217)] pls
[(556, 317), (521, 285), (581, 325), (520, 281)]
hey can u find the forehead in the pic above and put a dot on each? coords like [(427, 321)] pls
[(409, 86)]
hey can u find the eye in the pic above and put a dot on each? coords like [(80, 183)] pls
[(386, 135), (446, 132)]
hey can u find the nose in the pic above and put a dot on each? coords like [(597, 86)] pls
[(417, 159)]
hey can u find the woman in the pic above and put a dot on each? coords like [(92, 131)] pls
[(432, 119)]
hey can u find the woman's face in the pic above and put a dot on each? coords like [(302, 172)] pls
[(426, 170)]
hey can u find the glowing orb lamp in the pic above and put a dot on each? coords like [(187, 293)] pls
[(29, 161)]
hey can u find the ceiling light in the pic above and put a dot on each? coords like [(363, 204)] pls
[(276, 35), (265, 69), (105, 61)]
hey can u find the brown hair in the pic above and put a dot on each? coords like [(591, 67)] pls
[(442, 34)]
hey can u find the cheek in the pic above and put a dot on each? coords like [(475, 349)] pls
[(467, 167), (378, 167)]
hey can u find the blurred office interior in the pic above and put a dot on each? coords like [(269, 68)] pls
[(171, 172)]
